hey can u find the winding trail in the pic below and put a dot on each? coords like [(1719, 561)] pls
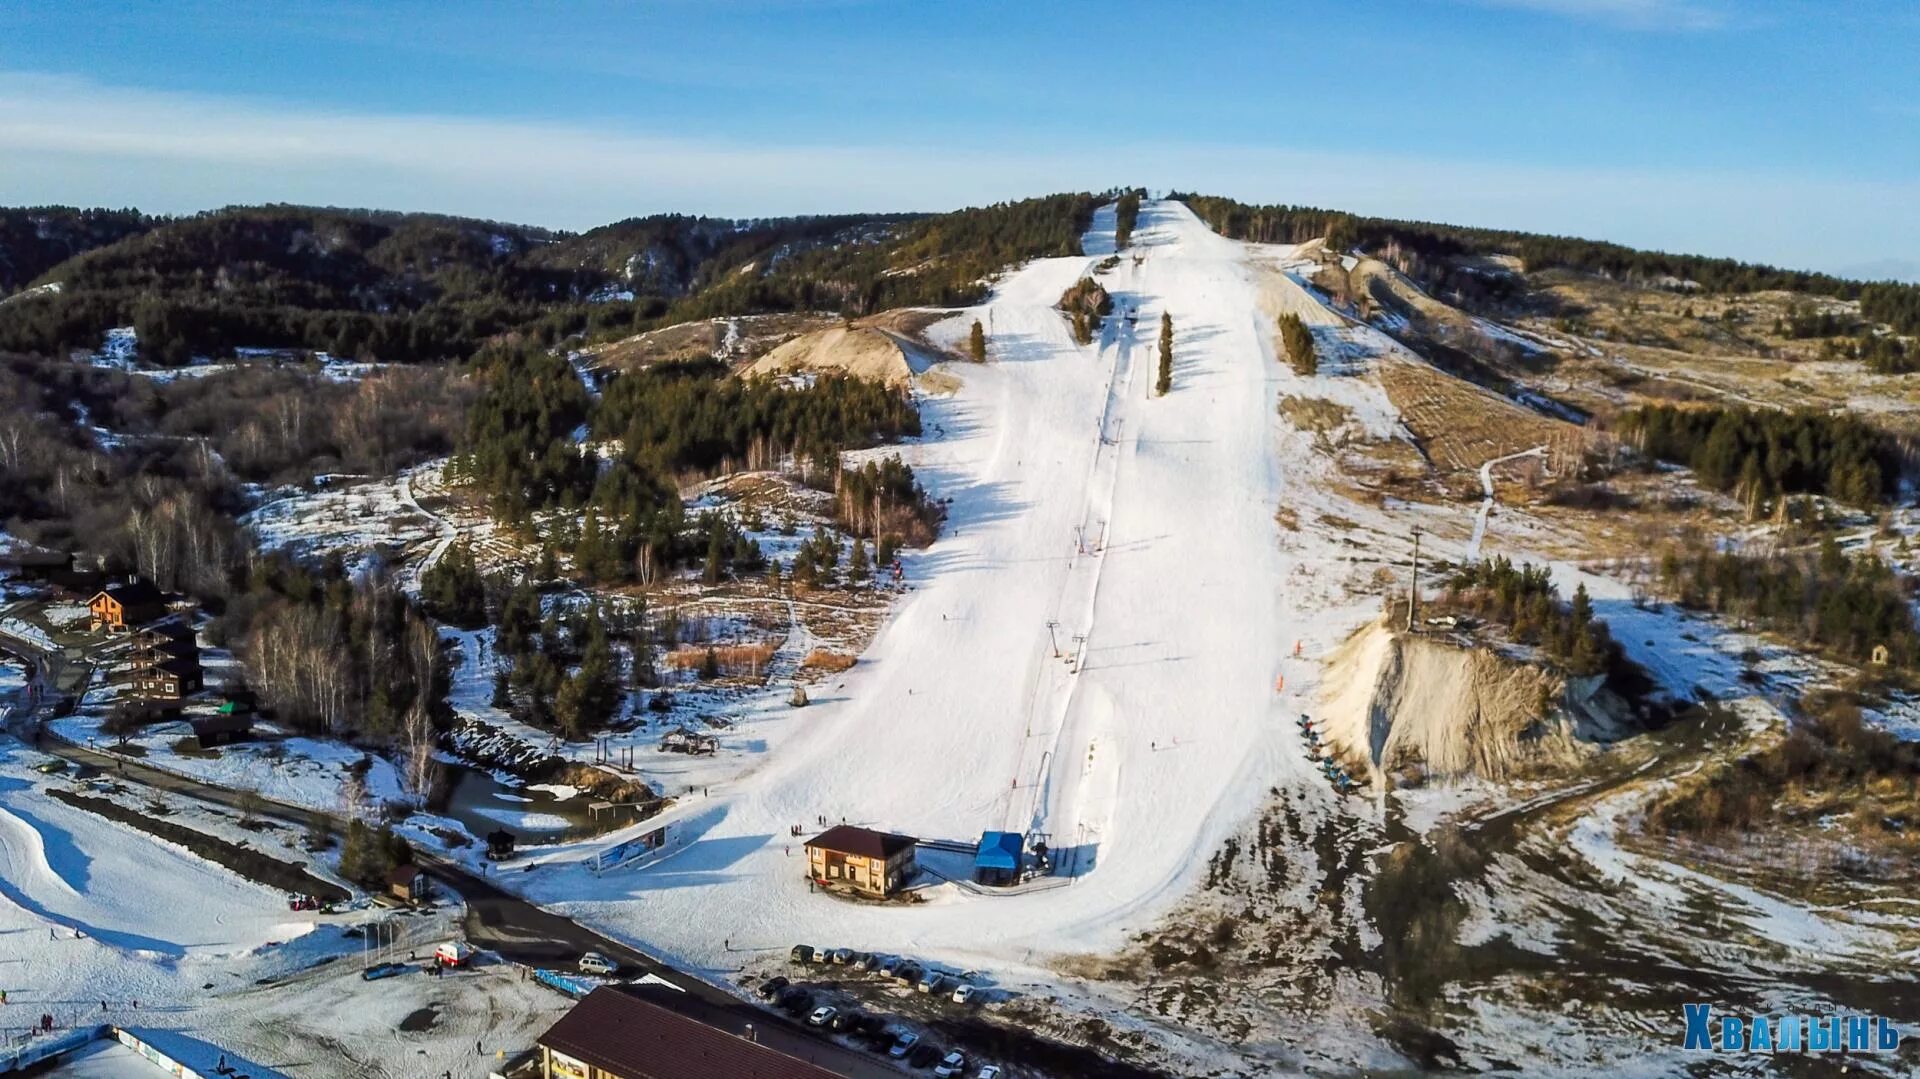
[(1486, 504), (449, 532)]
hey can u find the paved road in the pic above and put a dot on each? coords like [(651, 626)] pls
[(524, 933)]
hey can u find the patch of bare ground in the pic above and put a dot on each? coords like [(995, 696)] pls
[(1459, 425), (1827, 811), (1619, 344), (912, 323), (734, 340), (1270, 955)]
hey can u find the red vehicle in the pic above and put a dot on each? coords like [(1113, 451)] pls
[(454, 953)]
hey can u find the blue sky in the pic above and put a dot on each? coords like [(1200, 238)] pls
[(1786, 131)]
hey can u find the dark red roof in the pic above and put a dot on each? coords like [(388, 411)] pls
[(634, 1039), (848, 839)]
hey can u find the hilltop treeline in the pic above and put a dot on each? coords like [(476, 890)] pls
[(397, 287), (942, 261), (1425, 250), (420, 287), (1760, 454), (393, 287), (35, 239), (1841, 604), (1524, 599)]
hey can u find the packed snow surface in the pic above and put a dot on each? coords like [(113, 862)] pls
[(1142, 528)]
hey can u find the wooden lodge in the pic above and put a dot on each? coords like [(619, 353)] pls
[(123, 605), (875, 864)]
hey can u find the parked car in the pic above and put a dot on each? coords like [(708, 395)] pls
[(801, 953), (822, 1015), (965, 993), (923, 1054), (872, 1027), (842, 956), (771, 987), (843, 1022), (890, 965), (595, 963), (861, 960), (908, 972), (794, 1000), (988, 1071), (903, 1044), (951, 1065), (822, 955), (931, 981)]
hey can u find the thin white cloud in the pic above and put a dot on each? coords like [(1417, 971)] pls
[(72, 141), (1631, 14)]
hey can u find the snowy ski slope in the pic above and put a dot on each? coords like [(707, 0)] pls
[(1142, 528)]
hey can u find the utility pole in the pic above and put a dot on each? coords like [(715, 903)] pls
[(1413, 598)]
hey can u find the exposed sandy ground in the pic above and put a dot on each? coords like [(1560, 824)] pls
[(733, 340)]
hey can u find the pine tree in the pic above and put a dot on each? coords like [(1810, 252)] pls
[(502, 696), (453, 591), (569, 709), (977, 343), (857, 562), (1164, 384), (710, 664), (1297, 340), (599, 675), (592, 555)]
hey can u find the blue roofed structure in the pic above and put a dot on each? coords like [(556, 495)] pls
[(997, 859)]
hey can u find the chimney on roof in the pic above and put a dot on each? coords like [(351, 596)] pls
[(750, 1034)]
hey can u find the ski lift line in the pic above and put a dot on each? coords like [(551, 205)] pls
[(1118, 386), (1122, 361)]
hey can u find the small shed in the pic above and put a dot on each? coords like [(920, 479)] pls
[(408, 883), (683, 740), (222, 728), (997, 859), (499, 844)]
